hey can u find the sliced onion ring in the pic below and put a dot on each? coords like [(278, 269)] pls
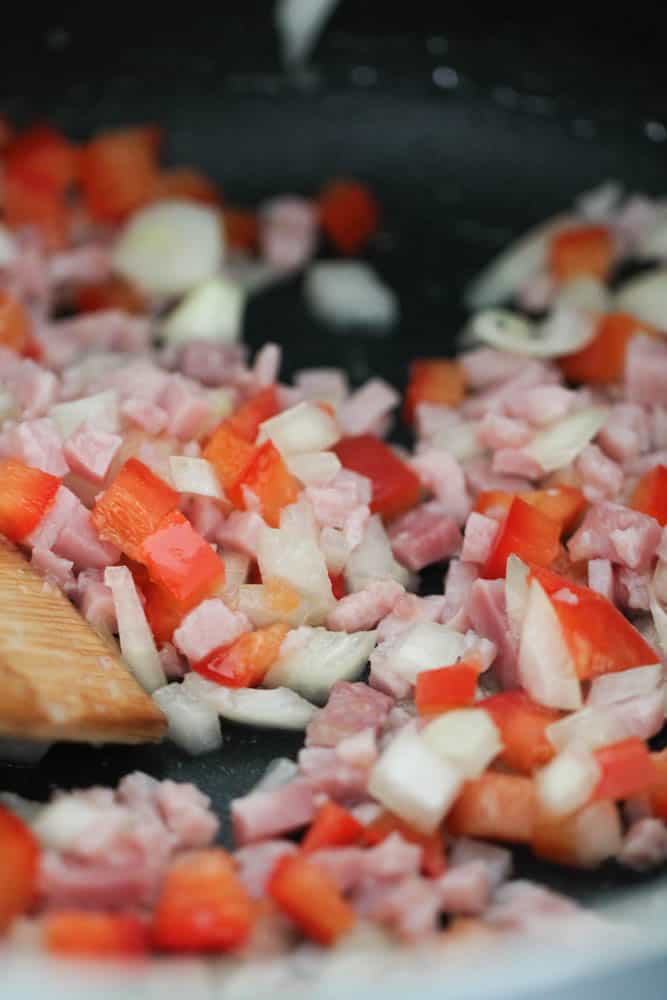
[(565, 331)]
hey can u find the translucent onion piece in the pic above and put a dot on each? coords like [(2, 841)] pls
[(557, 446), (193, 724), (136, 639), (211, 311)]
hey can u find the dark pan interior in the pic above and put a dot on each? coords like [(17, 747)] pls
[(467, 132)]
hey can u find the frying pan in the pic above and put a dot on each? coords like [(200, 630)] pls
[(468, 131)]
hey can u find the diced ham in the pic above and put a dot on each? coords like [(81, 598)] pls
[(106, 330), (144, 414), (408, 610), (79, 541), (627, 433), (96, 600), (541, 405), (56, 517), (497, 431), (458, 586), (431, 419), (329, 775), (360, 749), (601, 577), (211, 363), (478, 538), (601, 478), (486, 366), (519, 904), (516, 462), (265, 814), (256, 862), (363, 610), (351, 708), (34, 389), (442, 474), (531, 375), (632, 589), (186, 407), (343, 865), (465, 890), (209, 625), (89, 452), (644, 845), (205, 515), (612, 531), (241, 532), (497, 860), (638, 466), (53, 568), (409, 907), (85, 265), (424, 535), (351, 867), (38, 444), (366, 409), (480, 476), (646, 371), (288, 232), (488, 615), (185, 811), (657, 419)]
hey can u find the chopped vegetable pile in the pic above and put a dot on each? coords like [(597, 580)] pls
[(255, 546)]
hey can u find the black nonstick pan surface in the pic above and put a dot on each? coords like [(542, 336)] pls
[(468, 129)]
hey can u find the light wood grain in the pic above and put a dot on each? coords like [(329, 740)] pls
[(59, 679)]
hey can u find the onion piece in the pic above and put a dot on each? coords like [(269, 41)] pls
[(611, 688), (461, 441), (299, 24), (255, 601), (373, 559), (584, 293), (567, 782), (645, 297), (587, 729), (558, 445), (516, 594), (314, 659), (170, 247), (594, 834), (468, 737), (237, 567), (565, 331), (61, 823), (302, 428), (413, 782), (280, 708), (424, 646), (349, 293), (653, 241), (137, 644), (280, 771), (194, 475), (210, 311), (314, 468), (100, 409), (545, 665), (659, 616), (8, 246), (193, 725), (517, 264)]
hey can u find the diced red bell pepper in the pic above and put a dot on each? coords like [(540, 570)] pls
[(626, 769), (522, 725), (42, 153), (603, 360), (448, 687), (25, 496), (658, 790), (118, 172), (311, 899), (187, 183), (338, 586), (574, 840), (246, 420), (163, 612), (333, 826), (396, 488), (203, 906), (493, 503), (114, 293), (599, 637), (229, 454), (178, 558), (14, 323), (433, 380), (564, 504), (244, 662), (19, 867), (133, 507), (349, 214), (650, 496), (434, 859), (527, 533), (36, 202), (581, 251), (87, 934), (241, 229), (495, 806), (269, 479)]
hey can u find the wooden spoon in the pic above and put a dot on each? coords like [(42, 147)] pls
[(59, 679)]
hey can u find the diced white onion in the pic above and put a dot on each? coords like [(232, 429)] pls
[(587, 729), (314, 468), (170, 246), (349, 293), (193, 724), (100, 410), (8, 247), (335, 549), (545, 665), (211, 311), (137, 644), (467, 736), (313, 666), (653, 240), (60, 824), (237, 566), (645, 297), (194, 475), (280, 771), (280, 708), (299, 24), (373, 559), (584, 293), (413, 782), (516, 265), (601, 203), (516, 594), (425, 646), (567, 782), (611, 688), (558, 445), (461, 441), (302, 428), (659, 616), (256, 604), (565, 331)]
